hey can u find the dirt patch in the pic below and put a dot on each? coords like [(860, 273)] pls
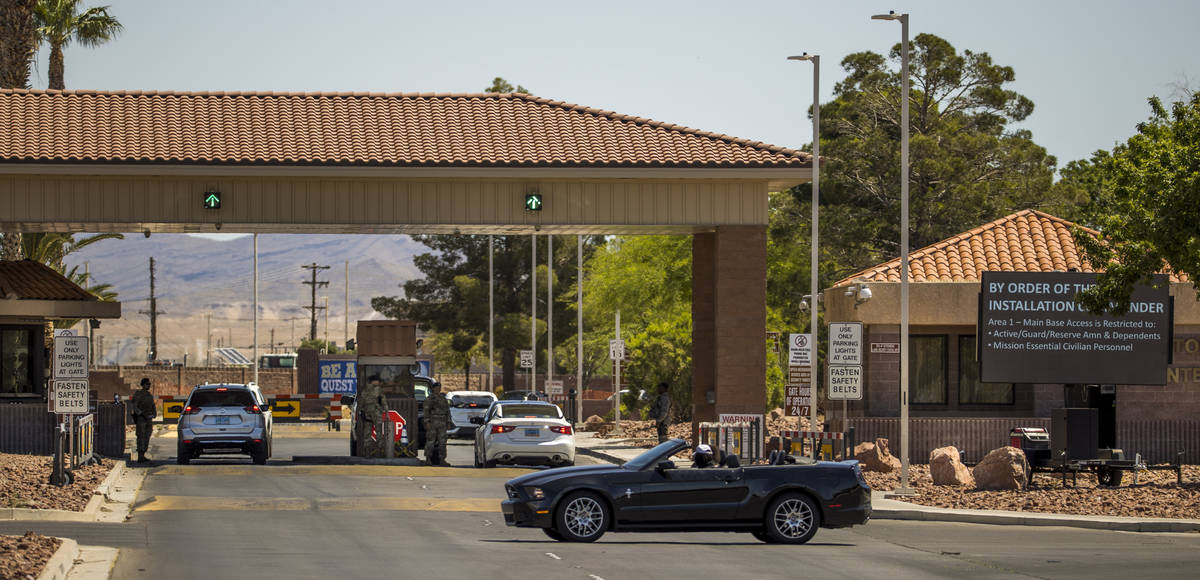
[(645, 433), (25, 556), (1156, 496), (24, 483)]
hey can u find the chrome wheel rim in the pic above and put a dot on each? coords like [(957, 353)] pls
[(583, 516), (793, 518)]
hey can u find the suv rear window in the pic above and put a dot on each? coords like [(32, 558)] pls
[(538, 411), (469, 401), (215, 398)]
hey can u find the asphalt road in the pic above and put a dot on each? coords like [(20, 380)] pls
[(227, 518)]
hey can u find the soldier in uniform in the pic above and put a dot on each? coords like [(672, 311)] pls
[(437, 415), (371, 406), (660, 411), (143, 412)]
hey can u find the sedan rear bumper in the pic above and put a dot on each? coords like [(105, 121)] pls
[(526, 514), (853, 508)]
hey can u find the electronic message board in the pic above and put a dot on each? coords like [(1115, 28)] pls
[(1031, 330)]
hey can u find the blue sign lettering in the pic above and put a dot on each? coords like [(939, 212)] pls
[(338, 376)]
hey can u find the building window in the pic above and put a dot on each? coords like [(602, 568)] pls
[(970, 390), (16, 370), (927, 369)]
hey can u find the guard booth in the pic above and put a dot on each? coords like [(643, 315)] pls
[(388, 349)]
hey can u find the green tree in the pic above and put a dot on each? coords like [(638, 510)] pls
[(1151, 220), (61, 21), (499, 85), (968, 165), (320, 345), (18, 43)]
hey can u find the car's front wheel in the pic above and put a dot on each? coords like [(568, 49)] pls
[(792, 519), (582, 517)]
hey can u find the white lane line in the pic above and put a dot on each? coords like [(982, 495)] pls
[(594, 577), (553, 555)]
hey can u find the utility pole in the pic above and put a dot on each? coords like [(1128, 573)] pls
[(272, 340), (153, 312), (292, 342), (346, 322), (326, 308), (208, 343), (550, 308), (312, 332)]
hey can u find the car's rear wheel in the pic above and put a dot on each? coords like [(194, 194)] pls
[(582, 517), (259, 454), (792, 519), (353, 448), (475, 454), (554, 535), (183, 455)]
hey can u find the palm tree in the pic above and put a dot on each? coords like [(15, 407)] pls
[(60, 21), (17, 42), (51, 249)]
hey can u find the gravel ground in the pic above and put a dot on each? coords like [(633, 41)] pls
[(1156, 496), (24, 557), (24, 483)]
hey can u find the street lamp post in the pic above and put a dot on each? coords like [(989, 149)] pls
[(816, 196), (904, 354)]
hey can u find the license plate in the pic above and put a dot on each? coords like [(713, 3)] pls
[(222, 420), (532, 432)]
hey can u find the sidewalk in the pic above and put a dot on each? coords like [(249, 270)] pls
[(619, 451)]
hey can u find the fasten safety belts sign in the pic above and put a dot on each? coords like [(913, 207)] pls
[(1031, 330)]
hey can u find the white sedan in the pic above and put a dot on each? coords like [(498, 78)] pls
[(525, 433)]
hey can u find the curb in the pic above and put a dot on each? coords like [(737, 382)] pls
[(347, 460), (600, 454), (99, 497), (59, 565), (1030, 519)]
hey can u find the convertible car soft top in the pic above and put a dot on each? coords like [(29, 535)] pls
[(777, 503)]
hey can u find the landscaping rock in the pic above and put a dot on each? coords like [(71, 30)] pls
[(593, 423), (1003, 468), (946, 468), (876, 457)]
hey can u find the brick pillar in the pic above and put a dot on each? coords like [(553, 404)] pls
[(729, 322)]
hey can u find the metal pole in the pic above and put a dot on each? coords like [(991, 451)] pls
[(255, 348), (346, 325), (326, 308), (549, 308), (904, 354), (533, 313), (617, 387), (87, 275), (491, 315), (579, 329), (816, 188)]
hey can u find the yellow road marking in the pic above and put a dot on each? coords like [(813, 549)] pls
[(195, 503), (370, 470)]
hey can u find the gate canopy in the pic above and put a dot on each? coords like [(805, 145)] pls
[(370, 163)]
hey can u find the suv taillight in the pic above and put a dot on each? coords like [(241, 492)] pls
[(563, 429), (254, 409), (190, 410), (502, 428)]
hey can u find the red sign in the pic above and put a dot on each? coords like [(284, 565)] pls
[(397, 424)]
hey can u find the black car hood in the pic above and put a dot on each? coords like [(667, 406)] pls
[(549, 475)]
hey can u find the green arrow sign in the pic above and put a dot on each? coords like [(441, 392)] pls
[(212, 200), (533, 202)]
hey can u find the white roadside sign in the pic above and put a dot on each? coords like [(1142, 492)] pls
[(845, 343), (616, 349), (70, 357), (70, 397), (554, 387), (800, 350), (527, 359), (845, 383)]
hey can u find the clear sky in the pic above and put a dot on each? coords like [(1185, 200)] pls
[(713, 65)]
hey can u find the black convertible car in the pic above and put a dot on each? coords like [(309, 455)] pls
[(783, 503)]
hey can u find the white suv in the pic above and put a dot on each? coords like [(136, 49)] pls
[(221, 419)]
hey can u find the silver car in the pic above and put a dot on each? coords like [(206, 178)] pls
[(221, 419)]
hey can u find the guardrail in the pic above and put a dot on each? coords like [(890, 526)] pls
[(83, 441)]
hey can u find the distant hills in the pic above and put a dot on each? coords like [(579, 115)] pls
[(198, 277)]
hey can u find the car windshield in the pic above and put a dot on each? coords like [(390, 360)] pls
[(221, 398), (653, 455), (470, 401), (529, 411)]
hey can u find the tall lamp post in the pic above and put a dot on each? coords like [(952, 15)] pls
[(904, 354), (816, 196)]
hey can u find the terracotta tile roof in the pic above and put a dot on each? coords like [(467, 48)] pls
[(29, 280), (358, 129), (1026, 241)]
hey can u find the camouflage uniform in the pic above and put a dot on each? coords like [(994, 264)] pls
[(143, 412), (437, 415), (660, 411), (371, 406)]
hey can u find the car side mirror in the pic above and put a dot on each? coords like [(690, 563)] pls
[(347, 400), (665, 465), (477, 420)]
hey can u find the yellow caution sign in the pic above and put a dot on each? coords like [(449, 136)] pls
[(285, 408), (172, 410)]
